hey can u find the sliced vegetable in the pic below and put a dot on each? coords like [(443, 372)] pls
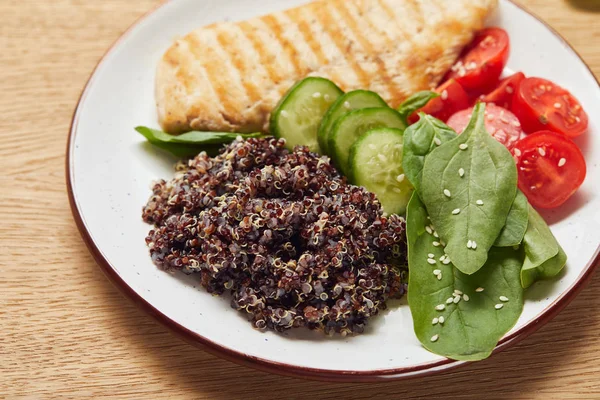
[(542, 105), (551, 168), (483, 61), (452, 99), (469, 185), (419, 140), (353, 125), (376, 164), (456, 315), (414, 102), (504, 93), (499, 122), (299, 113), (350, 101), (191, 143), (516, 223), (544, 258)]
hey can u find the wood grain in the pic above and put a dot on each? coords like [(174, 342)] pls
[(65, 331)]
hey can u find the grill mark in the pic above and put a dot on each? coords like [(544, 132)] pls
[(238, 61), (328, 21), (267, 59), (365, 44), (305, 31), (271, 22), (210, 61)]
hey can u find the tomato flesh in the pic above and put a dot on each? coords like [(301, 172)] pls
[(551, 168), (542, 105), (505, 91), (499, 122), (483, 61), (452, 98)]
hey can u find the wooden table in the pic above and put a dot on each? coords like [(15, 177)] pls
[(66, 331)]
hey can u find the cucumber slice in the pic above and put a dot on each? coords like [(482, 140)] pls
[(376, 164), (351, 101), (299, 113), (353, 125)]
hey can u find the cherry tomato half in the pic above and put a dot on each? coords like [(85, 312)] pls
[(452, 99), (542, 105), (499, 122), (483, 61), (551, 168), (503, 94)]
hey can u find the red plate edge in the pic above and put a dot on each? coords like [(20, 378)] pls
[(326, 375)]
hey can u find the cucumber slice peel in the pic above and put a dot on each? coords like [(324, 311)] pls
[(376, 165), (297, 116)]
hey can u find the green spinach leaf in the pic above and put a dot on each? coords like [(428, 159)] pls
[(544, 257), (191, 143), (468, 187), (419, 140), (516, 223), (489, 301), (414, 102)]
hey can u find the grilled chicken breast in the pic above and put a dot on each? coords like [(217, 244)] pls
[(229, 76)]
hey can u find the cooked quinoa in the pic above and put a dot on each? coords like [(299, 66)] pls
[(283, 233)]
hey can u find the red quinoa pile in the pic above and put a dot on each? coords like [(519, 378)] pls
[(283, 233)]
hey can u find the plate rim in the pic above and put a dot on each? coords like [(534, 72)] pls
[(280, 368)]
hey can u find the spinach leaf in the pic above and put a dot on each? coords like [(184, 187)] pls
[(191, 143), (419, 140), (544, 258), (468, 187), (470, 328), (516, 223), (414, 102)]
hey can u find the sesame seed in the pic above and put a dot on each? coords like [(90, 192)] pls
[(450, 300), (461, 172), (474, 245), (397, 190), (479, 202), (516, 123), (542, 152), (557, 105), (457, 300), (435, 338), (466, 297), (457, 292), (400, 178), (499, 306), (436, 244), (442, 320), (469, 244), (316, 95), (503, 298), (447, 193), (463, 146), (503, 119), (437, 271), (439, 276), (517, 152), (431, 255), (445, 95), (372, 146), (562, 162), (479, 289), (442, 258), (431, 261), (382, 158), (509, 89), (456, 211), (284, 114), (437, 141), (428, 229), (440, 307), (446, 261), (435, 234), (577, 119), (435, 321), (347, 104)]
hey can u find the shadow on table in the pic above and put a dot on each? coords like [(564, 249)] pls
[(511, 373), (587, 5)]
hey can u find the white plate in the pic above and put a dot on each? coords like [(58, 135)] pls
[(110, 169)]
